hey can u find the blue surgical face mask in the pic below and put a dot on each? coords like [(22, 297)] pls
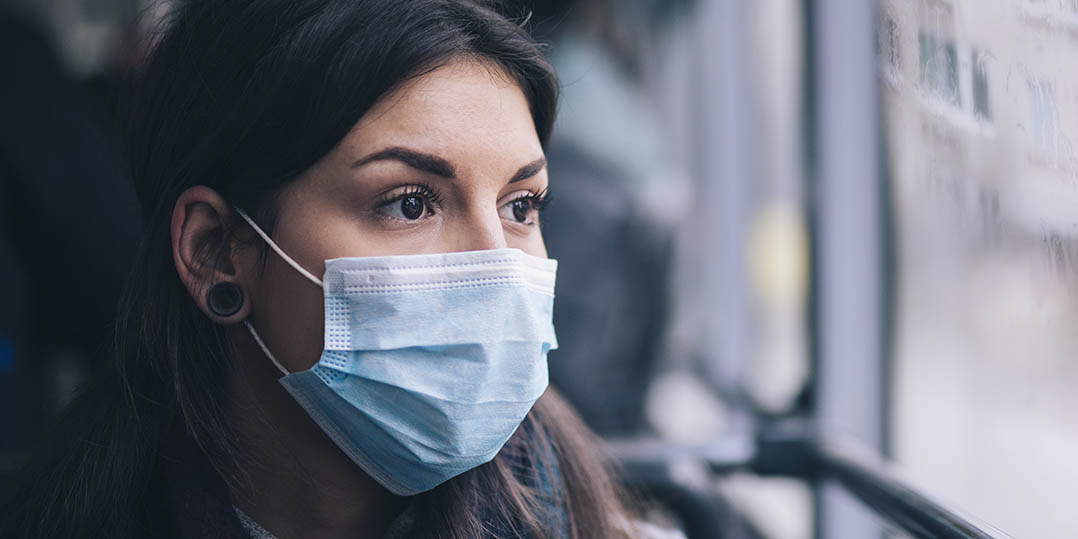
[(430, 362)]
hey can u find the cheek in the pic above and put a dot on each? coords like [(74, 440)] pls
[(290, 318), (532, 244)]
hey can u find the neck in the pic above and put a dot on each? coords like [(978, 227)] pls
[(299, 483)]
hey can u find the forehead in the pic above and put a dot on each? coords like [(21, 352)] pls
[(464, 111)]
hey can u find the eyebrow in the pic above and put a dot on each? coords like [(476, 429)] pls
[(529, 170), (417, 160), (436, 165)]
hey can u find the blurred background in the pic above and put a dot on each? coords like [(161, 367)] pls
[(820, 220)]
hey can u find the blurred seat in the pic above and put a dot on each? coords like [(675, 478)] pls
[(611, 305)]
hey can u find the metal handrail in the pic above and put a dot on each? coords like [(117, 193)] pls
[(680, 479), (865, 475), (904, 506), (858, 470)]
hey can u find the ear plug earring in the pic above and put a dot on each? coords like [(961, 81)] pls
[(225, 299)]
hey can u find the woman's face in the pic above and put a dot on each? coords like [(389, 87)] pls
[(449, 162)]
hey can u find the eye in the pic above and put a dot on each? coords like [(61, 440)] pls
[(414, 203), (525, 208), (410, 207)]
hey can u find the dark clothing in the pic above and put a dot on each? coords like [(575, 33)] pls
[(187, 499)]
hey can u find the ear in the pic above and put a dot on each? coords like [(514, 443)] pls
[(202, 248)]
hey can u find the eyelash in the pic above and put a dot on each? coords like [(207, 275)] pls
[(428, 193), (433, 198), (539, 200)]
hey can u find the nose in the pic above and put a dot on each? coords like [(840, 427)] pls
[(480, 230)]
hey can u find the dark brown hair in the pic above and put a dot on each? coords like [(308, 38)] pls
[(243, 96)]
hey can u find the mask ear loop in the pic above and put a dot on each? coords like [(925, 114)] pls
[(279, 251), (295, 265), (265, 348)]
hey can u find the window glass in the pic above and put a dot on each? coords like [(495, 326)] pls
[(981, 119)]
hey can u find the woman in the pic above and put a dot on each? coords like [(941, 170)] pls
[(339, 320)]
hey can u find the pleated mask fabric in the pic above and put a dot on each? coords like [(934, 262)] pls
[(430, 362)]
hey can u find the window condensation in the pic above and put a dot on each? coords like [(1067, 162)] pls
[(981, 129), (892, 44), (888, 48), (939, 67), (1043, 117), (981, 105)]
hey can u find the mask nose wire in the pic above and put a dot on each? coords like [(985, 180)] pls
[(295, 265)]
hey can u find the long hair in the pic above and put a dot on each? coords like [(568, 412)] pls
[(243, 96)]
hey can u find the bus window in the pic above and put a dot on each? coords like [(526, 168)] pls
[(980, 115)]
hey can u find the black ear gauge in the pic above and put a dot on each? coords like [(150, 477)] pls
[(225, 299)]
